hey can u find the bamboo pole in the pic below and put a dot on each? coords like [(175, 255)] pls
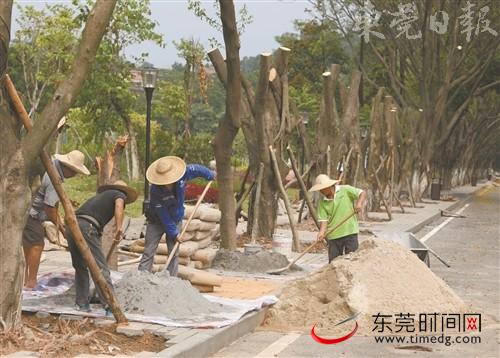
[(68, 210), (312, 209), (277, 175), (255, 224)]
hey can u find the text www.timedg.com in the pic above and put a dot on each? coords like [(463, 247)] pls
[(416, 339)]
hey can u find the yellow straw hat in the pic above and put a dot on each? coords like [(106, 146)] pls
[(166, 170), (73, 160), (121, 186), (323, 181)]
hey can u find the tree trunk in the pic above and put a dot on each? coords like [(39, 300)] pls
[(351, 124), (264, 123), (18, 154), (132, 139), (15, 199), (228, 128), (108, 171)]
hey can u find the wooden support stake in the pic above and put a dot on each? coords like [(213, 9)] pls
[(255, 224), (68, 210), (277, 175), (239, 204), (382, 189), (312, 209), (301, 210)]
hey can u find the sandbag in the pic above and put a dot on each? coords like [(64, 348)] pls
[(139, 242), (194, 225), (204, 288), (188, 235), (187, 248), (188, 209), (200, 265), (157, 268), (162, 259), (203, 243), (205, 255), (161, 250), (200, 277), (202, 235), (206, 213), (206, 226)]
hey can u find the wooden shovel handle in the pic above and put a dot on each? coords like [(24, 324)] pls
[(178, 241), (340, 224)]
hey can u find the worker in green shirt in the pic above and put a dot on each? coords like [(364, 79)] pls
[(337, 203)]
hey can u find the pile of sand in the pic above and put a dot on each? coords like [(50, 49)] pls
[(261, 261), (381, 277), (161, 295)]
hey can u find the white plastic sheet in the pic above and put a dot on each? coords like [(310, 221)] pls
[(59, 283)]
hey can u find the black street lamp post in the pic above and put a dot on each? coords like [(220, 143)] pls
[(149, 74)]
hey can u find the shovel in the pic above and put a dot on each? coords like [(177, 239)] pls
[(287, 267), (178, 241)]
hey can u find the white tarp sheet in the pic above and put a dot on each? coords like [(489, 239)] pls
[(58, 283)]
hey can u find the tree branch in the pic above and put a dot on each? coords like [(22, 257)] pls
[(68, 90)]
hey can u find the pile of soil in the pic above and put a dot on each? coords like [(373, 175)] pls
[(159, 294), (51, 337), (381, 277), (261, 261)]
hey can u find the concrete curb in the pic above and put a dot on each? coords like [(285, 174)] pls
[(416, 228), (207, 342)]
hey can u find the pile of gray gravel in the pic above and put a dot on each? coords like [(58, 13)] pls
[(160, 294), (261, 261)]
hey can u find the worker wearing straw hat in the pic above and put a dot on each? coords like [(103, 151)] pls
[(337, 203), (168, 177), (43, 208), (92, 217)]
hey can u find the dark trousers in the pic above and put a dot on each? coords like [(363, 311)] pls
[(82, 280), (154, 232), (342, 246)]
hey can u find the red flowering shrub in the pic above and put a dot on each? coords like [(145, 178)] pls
[(193, 192)]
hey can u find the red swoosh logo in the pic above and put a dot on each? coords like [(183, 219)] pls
[(333, 340)]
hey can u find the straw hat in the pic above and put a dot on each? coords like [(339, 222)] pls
[(166, 170), (121, 186), (73, 160), (323, 181)]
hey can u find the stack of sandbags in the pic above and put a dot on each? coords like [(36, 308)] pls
[(194, 251)]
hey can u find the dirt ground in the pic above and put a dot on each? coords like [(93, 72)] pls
[(241, 288), (52, 337)]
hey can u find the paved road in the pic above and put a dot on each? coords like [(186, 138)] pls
[(470, 245)]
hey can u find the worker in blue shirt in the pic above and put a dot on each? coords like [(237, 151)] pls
[(168, 177)]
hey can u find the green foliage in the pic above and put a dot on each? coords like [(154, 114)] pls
[(82, 188), (314, 49), (240, 152), (107, 96), (42, 51), (169, 105)]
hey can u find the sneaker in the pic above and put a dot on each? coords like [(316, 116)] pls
[(84, 308)]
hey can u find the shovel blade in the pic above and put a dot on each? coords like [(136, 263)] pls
[(278, 271)]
